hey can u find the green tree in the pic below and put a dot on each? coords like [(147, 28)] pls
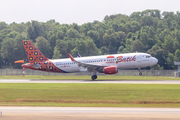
[(62, 48), (137, 46), (85, 47), (168, 44), (34, 30), (44, 46), (177, 55), (170, 61), (9, 52), (60, 35), (3, 25), (156, 67), (72, 33), (122, 50), (104, 50), (94, 35), (146, 31), (158, 52)]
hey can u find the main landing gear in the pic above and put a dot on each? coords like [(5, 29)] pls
[(140, 73), (94, 76)]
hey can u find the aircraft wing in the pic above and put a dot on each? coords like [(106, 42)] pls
[(91, 67)]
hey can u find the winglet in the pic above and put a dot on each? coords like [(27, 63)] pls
[(72, 59), (78, 55)]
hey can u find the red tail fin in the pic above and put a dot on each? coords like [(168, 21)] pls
[(33, 54)]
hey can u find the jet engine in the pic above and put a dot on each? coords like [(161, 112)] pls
[(110, 70)]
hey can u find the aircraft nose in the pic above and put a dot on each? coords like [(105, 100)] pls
[(155, 60)]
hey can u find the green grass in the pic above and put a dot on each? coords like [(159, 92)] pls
[(105, 77), (91, 95)]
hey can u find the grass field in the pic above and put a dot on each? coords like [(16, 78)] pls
[(93, 95), (106, 77)]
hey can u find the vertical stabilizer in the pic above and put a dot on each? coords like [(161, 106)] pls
[(37, 61), (33, 54)]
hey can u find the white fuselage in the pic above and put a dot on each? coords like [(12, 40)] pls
[(126, 61)]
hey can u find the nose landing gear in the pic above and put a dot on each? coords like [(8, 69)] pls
[(140, 73)]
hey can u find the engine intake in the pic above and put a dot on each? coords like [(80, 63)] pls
[(110, 70)]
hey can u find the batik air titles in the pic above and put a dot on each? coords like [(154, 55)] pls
[(108, 64)]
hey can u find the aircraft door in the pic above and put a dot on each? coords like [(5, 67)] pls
[(139, 59)]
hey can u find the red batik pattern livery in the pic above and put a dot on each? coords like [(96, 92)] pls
[(35, 57), (33, 54)]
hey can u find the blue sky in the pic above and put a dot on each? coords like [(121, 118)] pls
[(77, 11)]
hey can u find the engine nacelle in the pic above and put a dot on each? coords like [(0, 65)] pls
[(110, 70)]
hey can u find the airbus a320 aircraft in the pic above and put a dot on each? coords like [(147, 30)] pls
[(107, 64)]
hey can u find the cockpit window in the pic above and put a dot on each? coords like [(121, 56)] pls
[(148, 56)]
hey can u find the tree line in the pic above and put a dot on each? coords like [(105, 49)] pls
[(148, 31)]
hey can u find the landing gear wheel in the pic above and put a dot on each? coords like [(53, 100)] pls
[(94, 77), (140, 73)]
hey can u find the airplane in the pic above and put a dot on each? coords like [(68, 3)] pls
[(107, 64)]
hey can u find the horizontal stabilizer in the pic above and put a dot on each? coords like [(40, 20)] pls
[(19, 61)]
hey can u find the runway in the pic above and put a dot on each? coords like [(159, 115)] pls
[(89, 113), (90, 81)]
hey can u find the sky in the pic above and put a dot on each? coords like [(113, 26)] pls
[(77, 11)]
